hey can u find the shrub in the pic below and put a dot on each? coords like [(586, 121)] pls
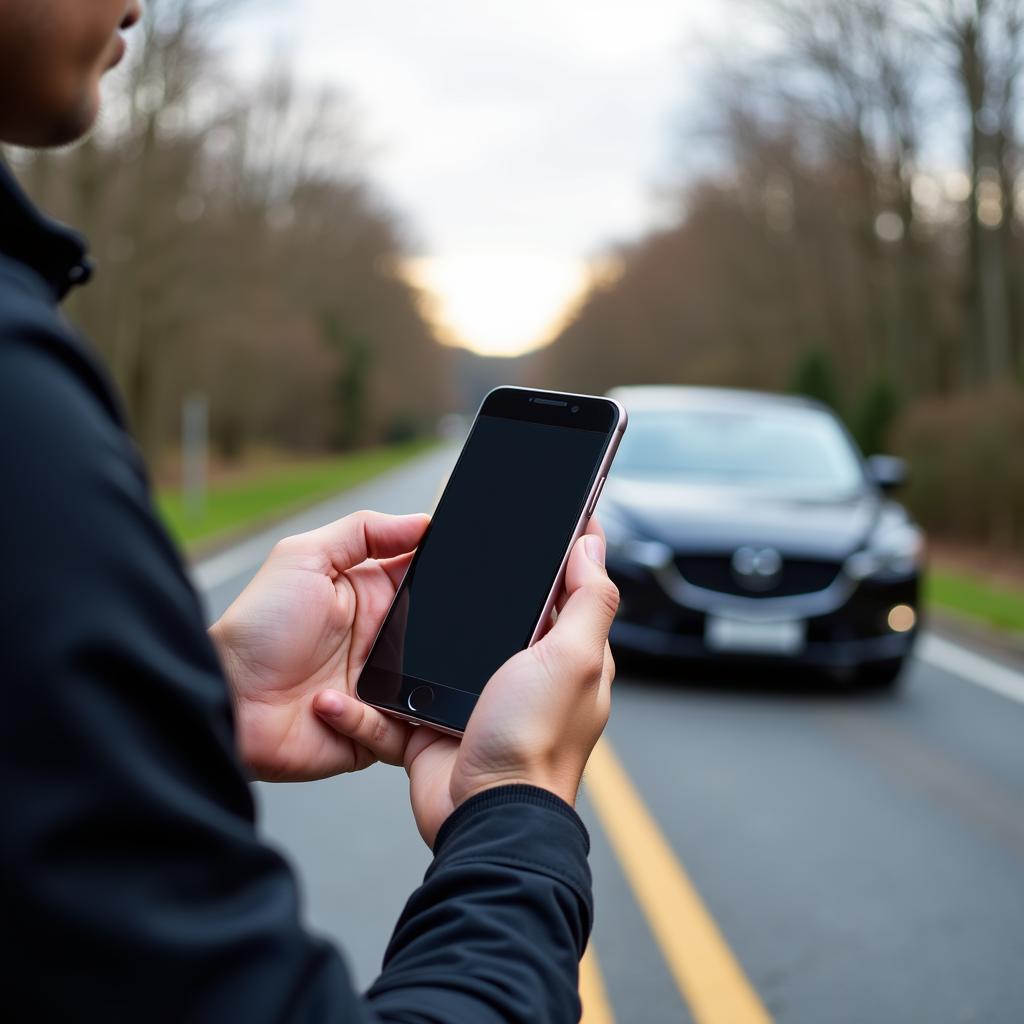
[(814, 377), (874, 415)]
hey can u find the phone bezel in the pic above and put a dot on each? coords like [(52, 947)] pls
[(389, 692)]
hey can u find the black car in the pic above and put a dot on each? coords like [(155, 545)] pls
[(747, 527)]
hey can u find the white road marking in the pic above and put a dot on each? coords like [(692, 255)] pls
[(246, 557), (974, 668)]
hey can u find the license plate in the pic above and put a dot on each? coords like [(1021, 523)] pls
[(722, 633)]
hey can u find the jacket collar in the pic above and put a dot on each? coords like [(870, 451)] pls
[(52, 250)]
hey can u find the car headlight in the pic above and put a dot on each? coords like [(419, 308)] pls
[(892, 550), (626, 546), (651, 554)]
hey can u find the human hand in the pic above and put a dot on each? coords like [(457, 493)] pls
[(538, 717), (305, 624)]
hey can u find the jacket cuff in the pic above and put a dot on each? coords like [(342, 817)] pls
[(521, 827), (511, 794)]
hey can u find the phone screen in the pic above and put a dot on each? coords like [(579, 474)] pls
[(482, 575)]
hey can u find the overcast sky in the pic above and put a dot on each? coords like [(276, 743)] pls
[(517, 136)]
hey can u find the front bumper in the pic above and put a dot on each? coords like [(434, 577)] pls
[(844, 633)]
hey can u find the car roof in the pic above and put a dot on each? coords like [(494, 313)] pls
[(660, 396)]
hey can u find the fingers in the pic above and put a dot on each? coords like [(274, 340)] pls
[(348, 542), (422, 739), (594, 526), (396, 567), (591, 601), (591, 598), (384, 737)]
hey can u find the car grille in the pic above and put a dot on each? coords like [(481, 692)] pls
[(798, 576)]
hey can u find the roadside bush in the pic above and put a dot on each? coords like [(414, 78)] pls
[(814, 377), (874, 416), (967, 472)]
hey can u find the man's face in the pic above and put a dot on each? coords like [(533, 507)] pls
[(53, 54)]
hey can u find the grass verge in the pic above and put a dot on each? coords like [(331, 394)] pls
[(238, 505), (971, 595)]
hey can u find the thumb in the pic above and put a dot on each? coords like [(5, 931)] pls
[(362, 535), (591, 598)]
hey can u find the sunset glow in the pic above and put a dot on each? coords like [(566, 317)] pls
[(500, 302)]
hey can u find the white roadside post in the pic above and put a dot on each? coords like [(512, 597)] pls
[(194, 431)]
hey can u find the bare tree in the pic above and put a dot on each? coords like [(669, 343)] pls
[(850, 68), (982, 44)]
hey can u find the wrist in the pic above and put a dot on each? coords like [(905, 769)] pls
[(566, 790), (508, 795)]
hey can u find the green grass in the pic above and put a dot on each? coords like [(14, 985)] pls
[(968, 594), (239, 505)]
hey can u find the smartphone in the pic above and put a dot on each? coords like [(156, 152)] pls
[(484, 580)]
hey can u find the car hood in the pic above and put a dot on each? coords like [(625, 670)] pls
[(690, 517)]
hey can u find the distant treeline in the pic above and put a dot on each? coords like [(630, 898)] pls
[(241, 254), (826, 256)]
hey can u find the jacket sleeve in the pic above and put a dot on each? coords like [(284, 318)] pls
[(134, 884), (497, 930)]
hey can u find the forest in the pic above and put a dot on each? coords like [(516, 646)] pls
[(860, 238), (846, 220)]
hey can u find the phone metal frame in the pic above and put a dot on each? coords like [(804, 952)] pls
[(589, 508)]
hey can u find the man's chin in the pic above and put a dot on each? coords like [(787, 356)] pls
[(77, 123), (63, 129)]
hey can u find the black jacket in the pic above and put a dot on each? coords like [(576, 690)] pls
[(135, 887)]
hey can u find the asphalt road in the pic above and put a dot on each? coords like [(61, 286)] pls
[(760, 851)]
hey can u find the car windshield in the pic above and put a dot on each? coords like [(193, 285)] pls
[(793, 450)]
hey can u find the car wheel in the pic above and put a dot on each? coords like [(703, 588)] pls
[(880, 675)]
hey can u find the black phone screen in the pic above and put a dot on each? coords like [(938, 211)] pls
[(478, 584)]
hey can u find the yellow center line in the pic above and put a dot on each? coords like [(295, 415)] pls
[(707, 973), (596, 1008)]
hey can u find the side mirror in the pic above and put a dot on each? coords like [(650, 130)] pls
[(887, 472)]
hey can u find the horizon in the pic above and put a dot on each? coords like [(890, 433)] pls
[(502, 176)]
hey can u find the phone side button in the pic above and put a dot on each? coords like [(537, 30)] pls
[(597, 494), (421, 698)]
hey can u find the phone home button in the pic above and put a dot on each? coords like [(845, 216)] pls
[(421, 698)]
